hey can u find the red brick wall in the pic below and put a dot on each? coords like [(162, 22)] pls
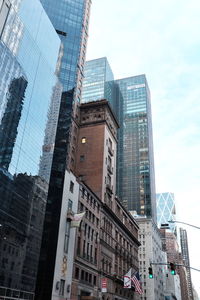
[(92, 166)]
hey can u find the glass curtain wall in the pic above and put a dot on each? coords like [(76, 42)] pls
[(27, 82), (138, 188), (70, 20)]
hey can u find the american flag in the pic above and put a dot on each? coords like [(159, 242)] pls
[(136, 281)]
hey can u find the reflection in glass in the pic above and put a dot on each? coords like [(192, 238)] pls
[(29, 103), (10, 120)]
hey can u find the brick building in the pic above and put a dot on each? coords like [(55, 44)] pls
[(107, 241)]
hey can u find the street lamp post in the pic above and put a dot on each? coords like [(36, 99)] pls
[(174, 221)]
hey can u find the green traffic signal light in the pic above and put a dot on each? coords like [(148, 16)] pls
[(150, 272), (172, 269)]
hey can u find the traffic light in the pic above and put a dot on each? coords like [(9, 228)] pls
[(150, 272), (172, 269)]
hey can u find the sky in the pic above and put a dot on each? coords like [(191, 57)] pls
[(161, 38)]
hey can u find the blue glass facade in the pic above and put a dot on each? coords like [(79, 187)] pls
[(98, 81), (166, 209), (130, 101), (138, 188), (27, 84), (70, 20)]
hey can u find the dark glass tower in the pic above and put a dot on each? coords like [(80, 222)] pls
[(138, 188), (27, 82), (70, 20)]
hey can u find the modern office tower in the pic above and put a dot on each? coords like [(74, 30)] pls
[(130, 100), (138, 186), (98, 81), (27, 81), (186, 259), (166, 209), (70, 20)]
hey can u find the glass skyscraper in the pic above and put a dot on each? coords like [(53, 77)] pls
[(70, 20), (166, 209), (27, 84), (98, 82), (138, 179), (130, 101)]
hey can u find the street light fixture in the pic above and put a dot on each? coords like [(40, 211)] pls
[(174, 221)]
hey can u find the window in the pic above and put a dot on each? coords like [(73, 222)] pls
[(70, 204), (82, 275), (62, 287), (95, 254), (83, 140), (91, 251), (109, 162), (84, 248), (67, 235), (90, 278), (85, 229), (82, 157), (110, 143), (86, 276), (88, 249), (4, 11), (89, 232), (71, 188), (81, 207), (77, 273)]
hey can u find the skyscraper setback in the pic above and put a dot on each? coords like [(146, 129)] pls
[(130, 100)]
